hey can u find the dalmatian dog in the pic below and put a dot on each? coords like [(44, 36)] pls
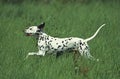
[(49, 44)]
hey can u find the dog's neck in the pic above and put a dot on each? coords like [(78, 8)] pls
[(38, 35), (41, 35)]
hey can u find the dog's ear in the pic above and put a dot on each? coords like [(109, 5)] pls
[(41, 26)]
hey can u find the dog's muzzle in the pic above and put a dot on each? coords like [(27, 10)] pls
[(27, 34)]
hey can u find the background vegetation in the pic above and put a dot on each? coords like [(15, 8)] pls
[(78, 18)]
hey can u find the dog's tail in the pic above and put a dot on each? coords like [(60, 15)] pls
[(88, 39)]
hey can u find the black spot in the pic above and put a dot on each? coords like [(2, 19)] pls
[(74, 44), (62, 41), (42, 38), (57, 43), (64, 45), (86, 47), (55, 49), (48, 47), (59, 46), (83, 43), (62, 48), (45, 41), (50, 41), (69, 38), (80, 43), (47, 38), (67, 42), (55, 39), (80, 47), (50, 44), (52, 48)]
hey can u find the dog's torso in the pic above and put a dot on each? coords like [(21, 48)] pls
[(51, 44)]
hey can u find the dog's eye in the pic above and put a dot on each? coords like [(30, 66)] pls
[(30, 28)]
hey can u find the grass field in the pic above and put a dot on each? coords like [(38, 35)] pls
[(62, 20)]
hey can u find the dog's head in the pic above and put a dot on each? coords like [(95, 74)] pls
[(34, 29)]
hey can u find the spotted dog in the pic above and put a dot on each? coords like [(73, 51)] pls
[(49, 44)]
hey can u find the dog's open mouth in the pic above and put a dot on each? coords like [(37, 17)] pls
[(28, 34)]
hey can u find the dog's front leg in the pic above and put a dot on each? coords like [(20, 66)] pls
[(31, 53), (41, 53)]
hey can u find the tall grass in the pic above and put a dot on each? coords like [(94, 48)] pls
[(62, 20)]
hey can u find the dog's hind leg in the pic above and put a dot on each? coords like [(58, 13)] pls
[(85, 52), (88, 55)]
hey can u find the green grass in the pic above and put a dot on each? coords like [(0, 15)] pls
[(62, 20)]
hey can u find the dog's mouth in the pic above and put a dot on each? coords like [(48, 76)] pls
[(29, 34)]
